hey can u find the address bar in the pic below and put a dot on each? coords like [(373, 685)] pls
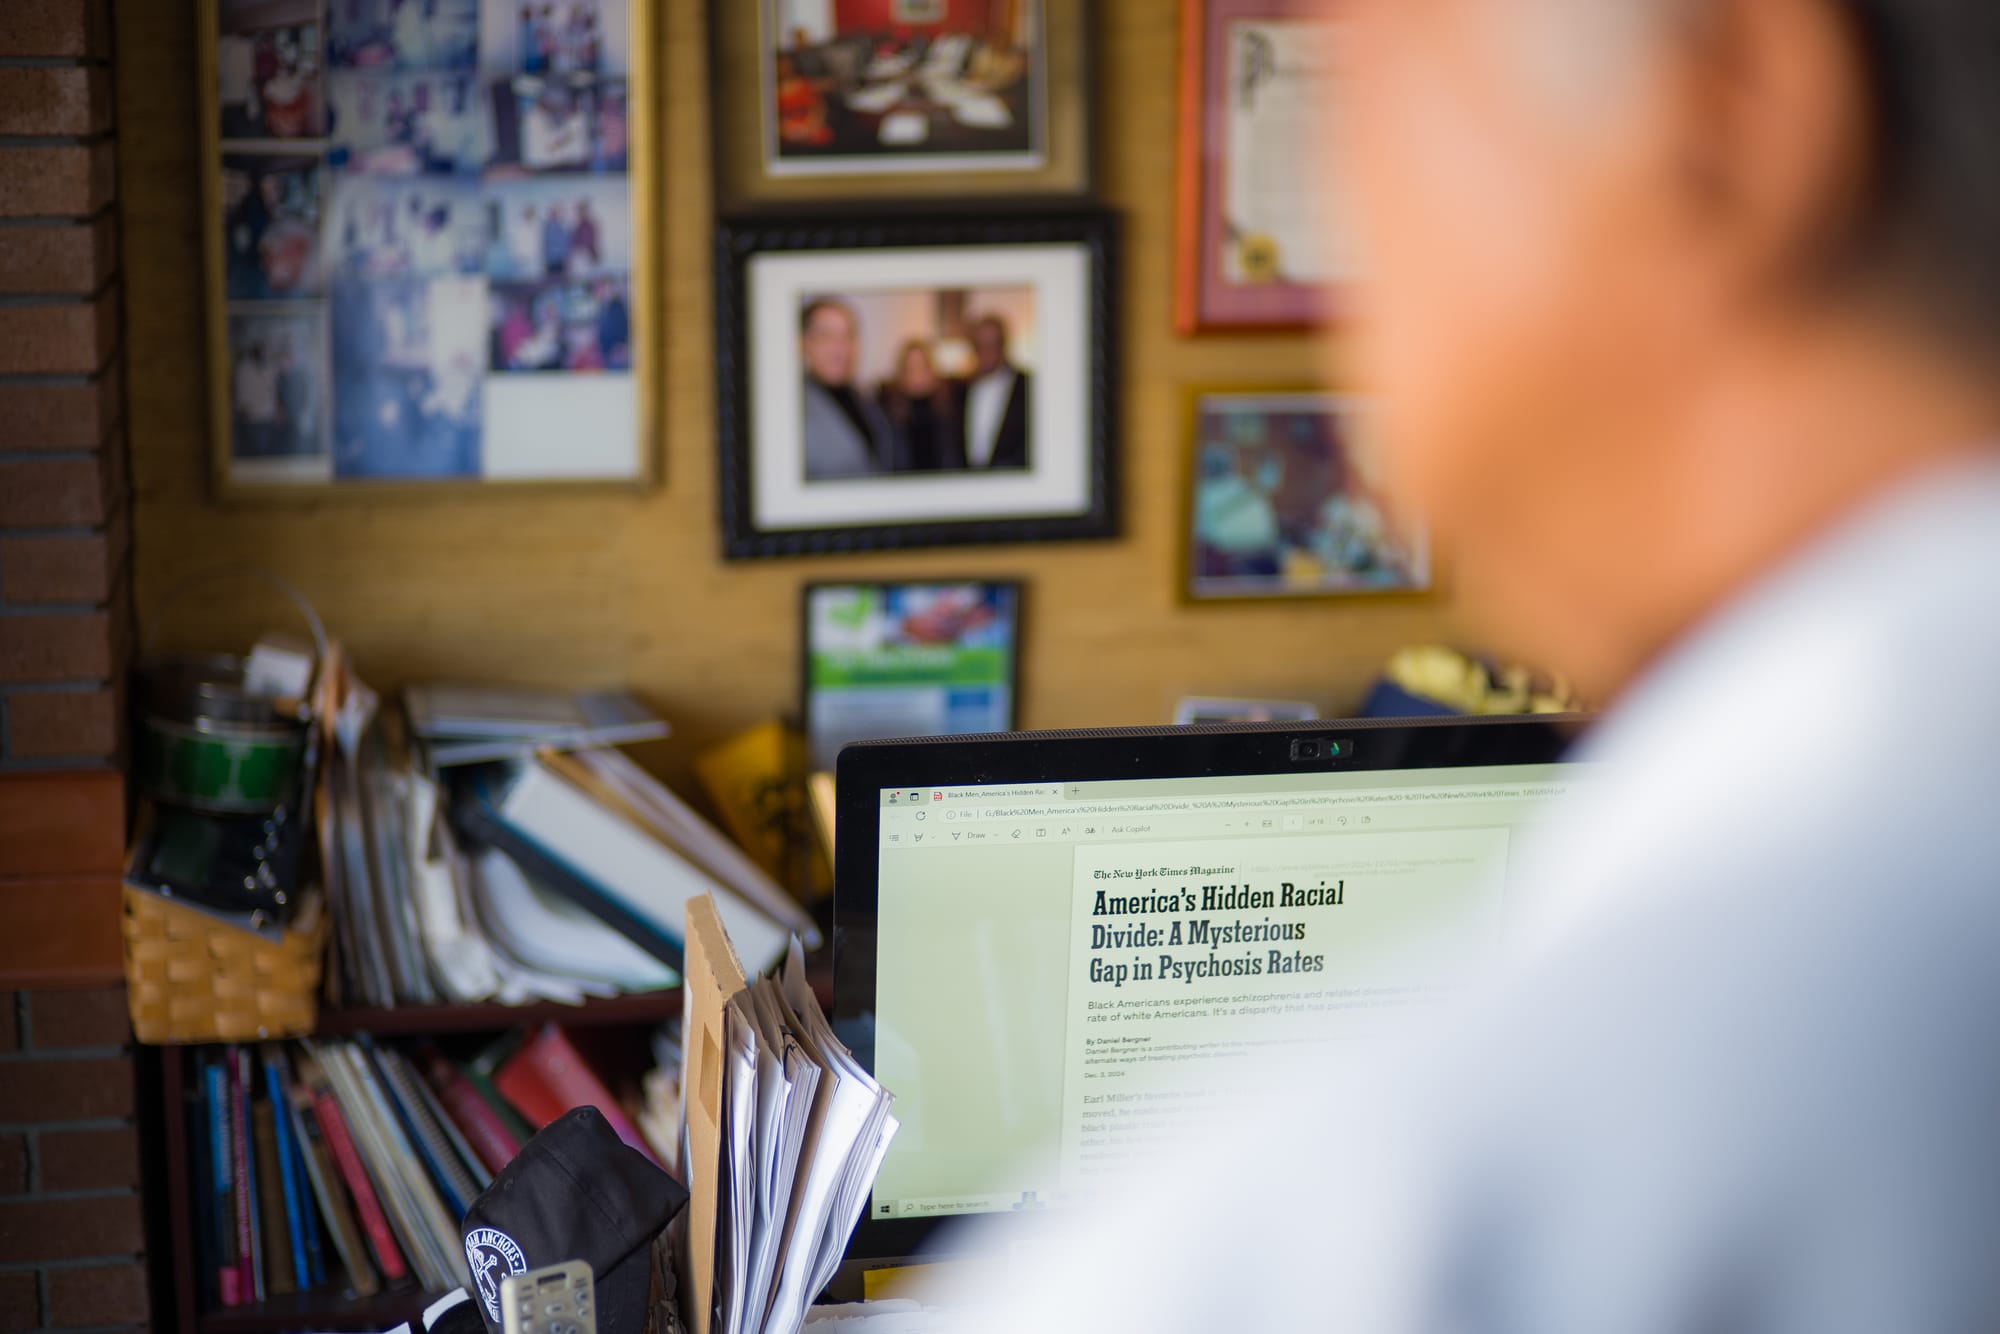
[(1272, 801)]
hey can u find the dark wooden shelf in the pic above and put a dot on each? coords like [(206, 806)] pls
[(323, 1309), (649, 1007)]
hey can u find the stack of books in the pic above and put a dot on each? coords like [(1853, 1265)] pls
[(347, 1165), (500, 850)]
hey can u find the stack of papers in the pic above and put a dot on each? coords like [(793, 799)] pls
[(556, 875), (471, 724), (804, 1129), (899, 1316)]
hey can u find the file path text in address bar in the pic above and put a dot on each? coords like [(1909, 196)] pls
[(1273, 801)]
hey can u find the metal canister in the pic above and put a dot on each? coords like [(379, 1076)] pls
[(208, 744)]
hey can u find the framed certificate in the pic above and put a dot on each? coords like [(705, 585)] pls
[(1258, 243)]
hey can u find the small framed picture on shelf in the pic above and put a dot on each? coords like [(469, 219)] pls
[(931, 658), (915, 383), (899, 99), (1257, 235), (1280, 503), (429, 253)]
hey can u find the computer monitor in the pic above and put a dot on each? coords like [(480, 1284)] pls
[(1029, 928)]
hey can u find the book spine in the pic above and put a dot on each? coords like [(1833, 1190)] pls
[(374, 1224), (296, 1209), (250, 1283), (464, 1161), (302, 1181), (487, 1133), (279, 1277), (222, 1184), (427, 1144), (553, 1077), (521, 1083), (480, 1076), (201, 1180), (431, 1236), (334, 1206)]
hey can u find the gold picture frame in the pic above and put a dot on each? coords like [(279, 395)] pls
[(1324, 533), (440, 139), (1052, 105)]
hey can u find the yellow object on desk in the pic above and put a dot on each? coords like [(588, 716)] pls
[(908, 1280), (1467, 686), (757, 780)]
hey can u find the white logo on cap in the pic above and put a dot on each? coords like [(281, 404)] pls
[(492, 1255)]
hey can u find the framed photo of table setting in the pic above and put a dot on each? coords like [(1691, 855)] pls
[(1258, 240), (915, 383), (431, 251), (830, 102)]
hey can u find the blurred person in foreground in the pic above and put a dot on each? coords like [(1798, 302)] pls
[(1684, 317)]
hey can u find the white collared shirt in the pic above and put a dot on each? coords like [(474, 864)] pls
[(1741, 1068), (985, 409)]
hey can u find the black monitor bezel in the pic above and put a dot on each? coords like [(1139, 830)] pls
[(868, 768)]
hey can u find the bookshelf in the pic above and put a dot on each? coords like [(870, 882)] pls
[(326, 1309)]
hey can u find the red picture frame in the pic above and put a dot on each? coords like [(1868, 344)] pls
[(1205, 301)]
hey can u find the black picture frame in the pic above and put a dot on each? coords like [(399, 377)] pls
[(1090, 236), (1015, 589)]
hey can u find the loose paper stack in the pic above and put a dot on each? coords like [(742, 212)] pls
[(786, 1133)]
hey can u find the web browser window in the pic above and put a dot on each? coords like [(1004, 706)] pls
[(1062, 968)]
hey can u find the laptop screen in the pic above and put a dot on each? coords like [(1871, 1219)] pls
[(1052, 957)]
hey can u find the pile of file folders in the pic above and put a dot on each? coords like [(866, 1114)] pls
[(489, 854), (801, 1134)]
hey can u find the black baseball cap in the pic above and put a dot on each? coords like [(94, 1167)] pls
[(576, 1192)]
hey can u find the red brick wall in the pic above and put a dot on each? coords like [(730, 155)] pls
[(71, 1230), (64, 527)]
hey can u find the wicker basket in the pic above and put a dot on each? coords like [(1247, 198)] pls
[(191, 978)]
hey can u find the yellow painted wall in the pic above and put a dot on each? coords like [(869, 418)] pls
[(591, 589)]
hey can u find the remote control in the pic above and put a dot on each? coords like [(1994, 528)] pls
[(555, 1299)]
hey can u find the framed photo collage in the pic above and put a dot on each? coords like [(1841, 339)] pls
[(430, 254)]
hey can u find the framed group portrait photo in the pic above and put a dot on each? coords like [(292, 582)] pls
[(432, 255), (828, 102), (1281, 503), (1258, 236), (915, 383)]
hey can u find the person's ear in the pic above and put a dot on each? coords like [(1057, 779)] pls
[(1773, 142)]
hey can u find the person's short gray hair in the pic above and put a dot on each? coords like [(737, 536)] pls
[(1929, 224)]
